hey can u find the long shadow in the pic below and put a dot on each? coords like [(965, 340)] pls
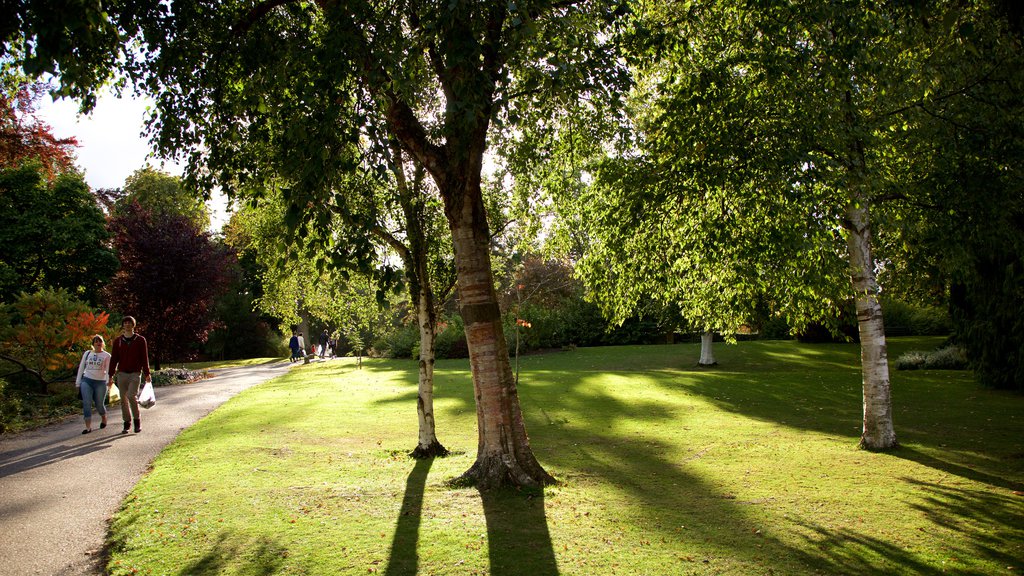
[(262, 557), (518, 539), (806, 389), (404, 558), (913, 455), (36, 457)]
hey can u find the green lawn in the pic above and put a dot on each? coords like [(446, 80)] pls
[(664, 468), (215, 364)]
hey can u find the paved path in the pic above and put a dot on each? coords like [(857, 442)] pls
[(59, 487)]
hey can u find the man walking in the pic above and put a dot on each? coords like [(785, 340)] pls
[(129, 361)]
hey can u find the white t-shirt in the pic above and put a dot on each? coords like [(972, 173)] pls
[(94, 365)]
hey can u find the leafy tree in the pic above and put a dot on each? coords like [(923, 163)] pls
[(964, 183), (162, 194), (54, 236), (771, 138), (23, 136), (45, 333), (281, 90), (171, 274)]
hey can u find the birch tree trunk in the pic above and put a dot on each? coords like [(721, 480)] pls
[(428, 445), (416, 256), (707, 353), (878, 432)]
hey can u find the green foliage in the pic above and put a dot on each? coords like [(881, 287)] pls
[(241, 332), (400, 342), (163, 195), (988, 320), (54, 235), (10, 407), (905, 319)]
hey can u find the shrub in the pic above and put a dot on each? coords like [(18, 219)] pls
[(948, 358), (10, 408), (775, 328), (172, 376), (402, 342), (911, 360), (450, 342)]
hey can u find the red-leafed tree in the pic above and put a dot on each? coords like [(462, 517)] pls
[(44, 334), (24, 136), (171, 273)]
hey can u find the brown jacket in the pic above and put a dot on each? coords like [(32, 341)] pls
[(129, 355)]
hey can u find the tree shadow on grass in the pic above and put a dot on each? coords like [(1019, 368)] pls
[(986, 525), (908, 453), (945, 412), (518, 539), (403, 559), (989, 522), (260, 557)]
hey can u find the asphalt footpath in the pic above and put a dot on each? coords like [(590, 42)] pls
[(59, 487)]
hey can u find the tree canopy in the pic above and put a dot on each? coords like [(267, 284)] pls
[(54, 236)]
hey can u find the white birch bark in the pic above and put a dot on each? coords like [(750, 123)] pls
[(878, 432), (707, 354), (428, 443)]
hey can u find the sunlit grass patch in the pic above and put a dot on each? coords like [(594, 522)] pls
[(664, 468)]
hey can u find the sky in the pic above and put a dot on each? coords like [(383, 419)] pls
[(111, 143)]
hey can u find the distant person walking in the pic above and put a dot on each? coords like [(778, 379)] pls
[(129, 361), (92, 384), (293, 344), (324, 337), (302, 344)]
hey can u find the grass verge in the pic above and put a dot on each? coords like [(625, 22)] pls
[(664, 468)]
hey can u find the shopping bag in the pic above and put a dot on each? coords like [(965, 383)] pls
[(147, 396), (115, 395)]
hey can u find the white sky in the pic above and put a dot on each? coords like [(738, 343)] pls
[(111, 145)]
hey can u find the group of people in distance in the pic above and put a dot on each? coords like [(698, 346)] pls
[(126, 365), (297, 345)]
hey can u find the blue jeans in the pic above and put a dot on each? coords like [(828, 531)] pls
[(93, 391)]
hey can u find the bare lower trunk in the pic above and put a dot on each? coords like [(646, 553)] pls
[(428, 445), (878, 432), (707, 353), (504, 456)]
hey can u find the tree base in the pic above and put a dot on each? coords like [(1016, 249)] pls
[(872, 446), (707, 364), (492, 472), (433, 450)]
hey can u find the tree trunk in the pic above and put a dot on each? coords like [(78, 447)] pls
[(428, 445), (878, 433), (504, 456), (707, 353)]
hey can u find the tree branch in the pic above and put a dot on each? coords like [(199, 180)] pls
[(38, 375), (254, 14)]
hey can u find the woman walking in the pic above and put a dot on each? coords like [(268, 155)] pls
[(91, 382)]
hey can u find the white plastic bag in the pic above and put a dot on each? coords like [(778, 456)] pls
[(147, 396), (115, 395)]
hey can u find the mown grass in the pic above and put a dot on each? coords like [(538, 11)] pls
[(215, 364), (664, 468)]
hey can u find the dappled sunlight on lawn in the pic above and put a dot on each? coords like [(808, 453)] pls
[(663, 468)]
